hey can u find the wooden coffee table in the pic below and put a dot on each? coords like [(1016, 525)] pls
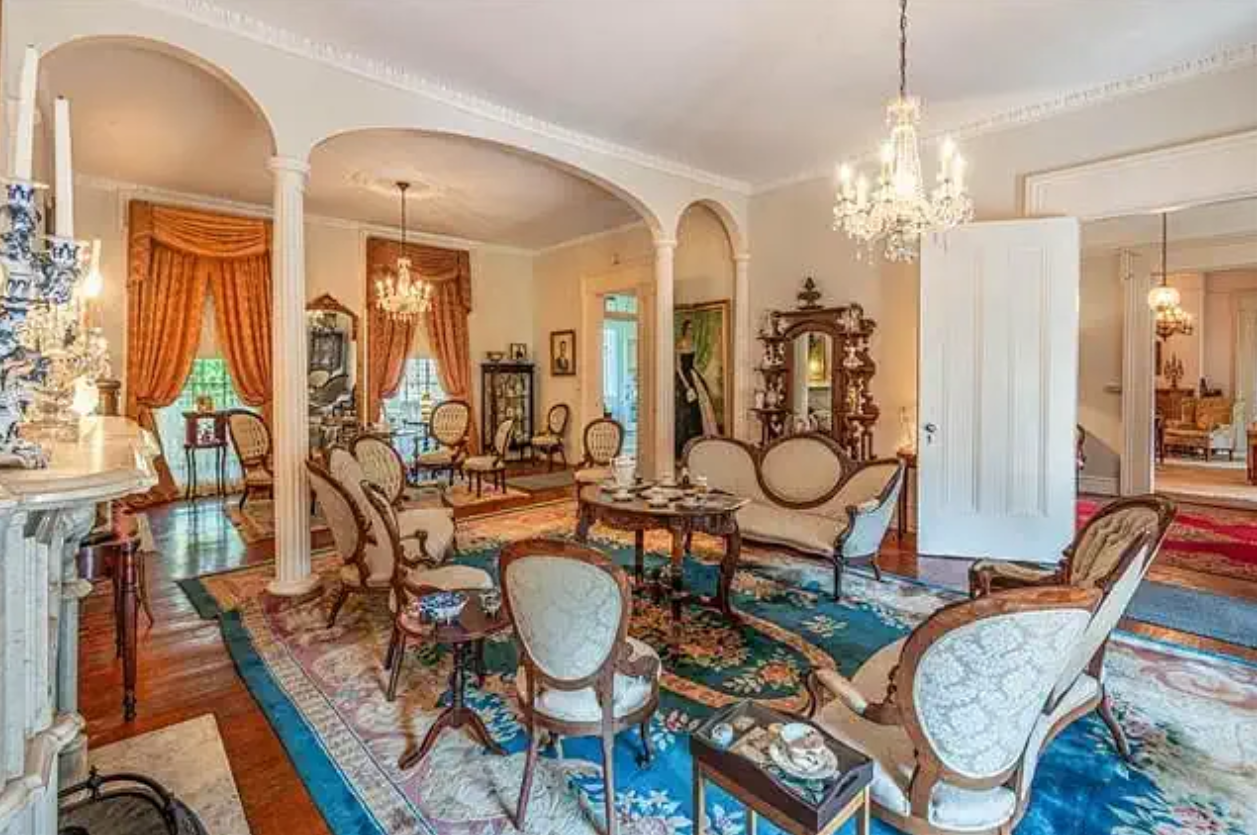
[(472, 626), (743, 769), (717, 517)]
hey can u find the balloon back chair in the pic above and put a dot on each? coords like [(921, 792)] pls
[(580, 672), (948, 714), (410, 580), (551, 440), (382, 466), (450, 426), (493, 462), (603, 441), (252, 442)]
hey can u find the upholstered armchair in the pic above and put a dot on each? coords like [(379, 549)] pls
[(252, 442), (427, 533), (603, 440), (383, 467), (805, 494), (1093, 555), (551, 440), (580, 672), (409, 580), (493, 462), (450, 426), (947, 719)]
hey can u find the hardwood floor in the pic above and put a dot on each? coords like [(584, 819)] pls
[(185, 671)]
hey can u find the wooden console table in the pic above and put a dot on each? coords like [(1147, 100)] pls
[(205, 430)]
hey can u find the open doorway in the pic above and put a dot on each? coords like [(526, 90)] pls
[(620, 379)]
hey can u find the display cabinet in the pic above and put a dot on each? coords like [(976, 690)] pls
[(507, 390)]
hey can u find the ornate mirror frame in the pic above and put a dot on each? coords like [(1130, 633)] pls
[(329, 303)]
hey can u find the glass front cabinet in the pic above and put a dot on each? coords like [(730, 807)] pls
[(506, 390)]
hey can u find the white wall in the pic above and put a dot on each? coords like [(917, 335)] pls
[(1100, 363), (1223, 291), (790, 233)]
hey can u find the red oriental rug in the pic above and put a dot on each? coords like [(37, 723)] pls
[(1212, 540)]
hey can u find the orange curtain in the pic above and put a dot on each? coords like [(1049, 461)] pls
[(175, 256), (389, 340)]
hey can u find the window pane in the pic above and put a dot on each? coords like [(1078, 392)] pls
[(409, 408), (209, 376)]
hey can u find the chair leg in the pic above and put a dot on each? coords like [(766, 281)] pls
[(391, 655), (837, 579), (608, 777), (399, 661), (647, 753), (1119, 738), (142, 586), (877, 571), (530, 763), (480, 667), (341, 596)]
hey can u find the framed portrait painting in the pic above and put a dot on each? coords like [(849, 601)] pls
[(704, 377), (562, 353)]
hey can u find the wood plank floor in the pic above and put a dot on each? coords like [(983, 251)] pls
[(185, 671)]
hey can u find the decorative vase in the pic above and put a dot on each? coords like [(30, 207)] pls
[(623, 467), (205, 404)]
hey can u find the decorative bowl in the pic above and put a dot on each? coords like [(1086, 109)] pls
[(442, 606), (491, 601), (494, 356)]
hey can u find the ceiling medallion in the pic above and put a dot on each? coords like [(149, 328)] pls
[(896, 209), (400, 292), (1165, 301)]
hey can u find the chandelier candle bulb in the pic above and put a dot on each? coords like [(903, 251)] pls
[(24, 138), (64, 170)]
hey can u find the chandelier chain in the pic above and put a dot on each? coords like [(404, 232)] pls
[(903, 49)]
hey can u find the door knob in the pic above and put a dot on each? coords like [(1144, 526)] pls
[(930, 429)]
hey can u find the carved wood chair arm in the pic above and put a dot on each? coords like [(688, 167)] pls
[(994, 575), (642, 666), (885, 712)]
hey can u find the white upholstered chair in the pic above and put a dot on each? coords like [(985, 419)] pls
[(410, 578), (947, 714), (383, 466), (450, 426), (551, 441), (580, 673), (493, 462), (427, 533), (805, 494), (252, 442), (603, 440)]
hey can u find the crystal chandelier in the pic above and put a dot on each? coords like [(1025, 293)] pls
[(896, 207), (400, 292), (1165, 301)]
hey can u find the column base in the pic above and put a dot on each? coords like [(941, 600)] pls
[(72, 763), (302, 588)]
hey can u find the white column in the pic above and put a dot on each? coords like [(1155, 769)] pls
[(289, 437), (741, 345), (1138, 396), (665, 360)]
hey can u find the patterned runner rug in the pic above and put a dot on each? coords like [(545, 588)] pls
[(1213, 540), (1191, 718)]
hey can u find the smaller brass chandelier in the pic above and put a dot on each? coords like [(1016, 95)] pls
[(896, 209), (1165, 301), (401, 292)]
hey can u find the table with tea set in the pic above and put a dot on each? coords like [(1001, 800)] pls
[(462, 620), (640, 506)]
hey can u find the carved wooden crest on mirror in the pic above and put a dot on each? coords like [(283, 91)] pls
[(334, 357), (816, 370)]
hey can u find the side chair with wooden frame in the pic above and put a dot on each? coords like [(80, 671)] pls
[(450, 426), (580, 672), (251, 440)]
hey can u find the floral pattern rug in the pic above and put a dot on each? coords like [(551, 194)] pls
[(1191, 718)]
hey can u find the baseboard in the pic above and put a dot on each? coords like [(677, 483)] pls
[(1098, 485)]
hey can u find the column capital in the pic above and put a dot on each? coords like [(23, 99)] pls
[(292, 165), (741, 257), (665, 243)]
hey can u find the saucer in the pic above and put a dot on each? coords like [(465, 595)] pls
[(824, 766)]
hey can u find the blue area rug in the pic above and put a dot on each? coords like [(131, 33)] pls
[(1191, 718), (1199, 612)]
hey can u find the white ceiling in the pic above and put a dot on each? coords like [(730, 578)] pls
[(142, 116), (1230, 219), (763, 89)]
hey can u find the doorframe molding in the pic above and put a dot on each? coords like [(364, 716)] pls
[(1204, 171)]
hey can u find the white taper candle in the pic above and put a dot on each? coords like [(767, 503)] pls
[(64, 170), (24, 138)]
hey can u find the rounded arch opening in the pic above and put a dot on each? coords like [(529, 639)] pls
[(733, 230)]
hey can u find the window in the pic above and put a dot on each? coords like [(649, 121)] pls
[(209, 375), (419, 391)]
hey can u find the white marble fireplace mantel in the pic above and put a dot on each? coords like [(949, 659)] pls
[(44, 514)]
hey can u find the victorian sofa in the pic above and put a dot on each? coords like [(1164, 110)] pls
[(1207, 425), (806, 494)]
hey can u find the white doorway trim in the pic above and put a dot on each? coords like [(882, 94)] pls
[(1206, 171)]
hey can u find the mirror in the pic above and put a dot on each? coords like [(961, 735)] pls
[(332, 359), (812, 389)]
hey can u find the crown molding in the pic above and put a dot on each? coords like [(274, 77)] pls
[(1078, 99), (1176, 245), (126, 191), (592, 236), (237, 23)]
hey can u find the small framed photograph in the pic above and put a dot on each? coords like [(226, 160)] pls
[(562, 353), (518, 352)]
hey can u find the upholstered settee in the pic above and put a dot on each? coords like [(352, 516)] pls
[(805, 493), (1207, 425)]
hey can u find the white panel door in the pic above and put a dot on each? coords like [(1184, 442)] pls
[(998, 390)]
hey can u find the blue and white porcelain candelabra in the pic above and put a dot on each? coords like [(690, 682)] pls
[(33, 282)]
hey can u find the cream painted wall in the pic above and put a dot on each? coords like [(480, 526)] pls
[(502, 291), (1222, 294), (1100, 363), (1188, 348), (790, 235)]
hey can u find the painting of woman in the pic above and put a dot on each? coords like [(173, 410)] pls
[(701, 371)]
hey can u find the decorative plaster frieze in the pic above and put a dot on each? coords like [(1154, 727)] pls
[(247, 26)]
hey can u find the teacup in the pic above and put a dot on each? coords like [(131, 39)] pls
[(802, 743)]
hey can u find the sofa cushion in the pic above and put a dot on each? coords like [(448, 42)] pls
[(801, 468), (798, 529)]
